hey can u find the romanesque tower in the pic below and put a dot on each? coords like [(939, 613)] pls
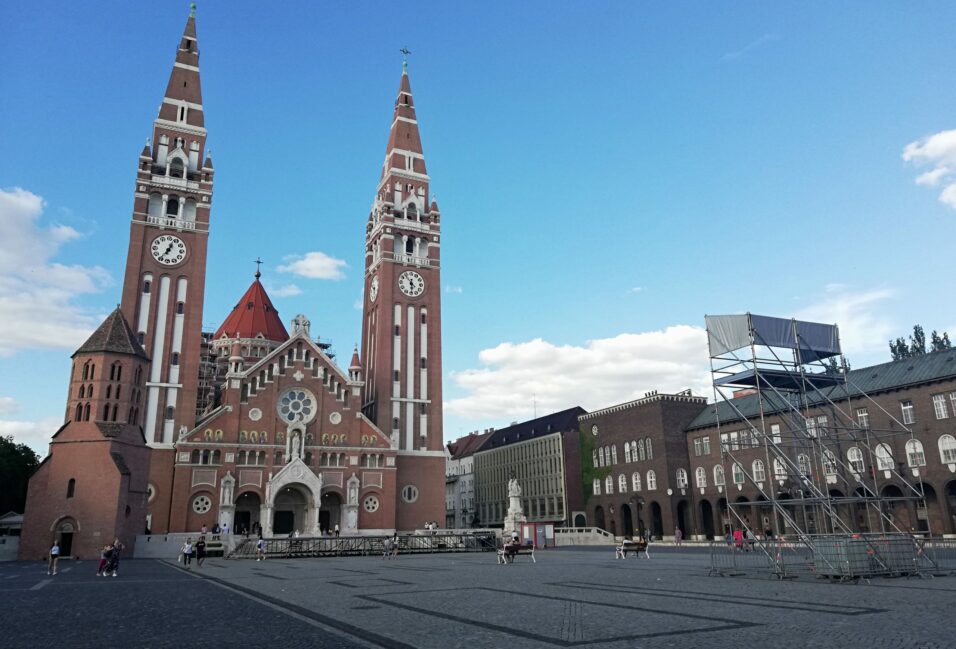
[(401, 336), (166, 262)]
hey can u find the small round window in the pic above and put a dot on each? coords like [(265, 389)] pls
[(202, 504), (371, 504), (410, 493), (297, 405)]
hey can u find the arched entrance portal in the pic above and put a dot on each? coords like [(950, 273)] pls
[(628, 521), (599, 517), (707, 519), (683, 519), (657, 521), (248, 506), (330, 514), (290, 510), (580, 520), (65, 530)]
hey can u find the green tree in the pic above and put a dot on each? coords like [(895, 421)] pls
[(17, 464), (899, 349), (918, 341), (939, 342)]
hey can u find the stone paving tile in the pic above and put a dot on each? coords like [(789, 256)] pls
[(569, 598)]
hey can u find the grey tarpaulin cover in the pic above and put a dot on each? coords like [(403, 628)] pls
[(813, 340)]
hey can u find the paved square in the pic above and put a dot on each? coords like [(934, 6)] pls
[(570, 598)]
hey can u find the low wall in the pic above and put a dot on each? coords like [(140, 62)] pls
[(566, 536), (9, 546)]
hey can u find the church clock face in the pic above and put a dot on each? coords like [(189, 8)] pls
[(168, 250), (373, 289), (411, 283)]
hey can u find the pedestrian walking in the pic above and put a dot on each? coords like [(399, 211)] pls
[(336, 530), (54, 557), (200, 551), (187, 551), (678, 536), (112, 564), (260, 549), (225, 529), (104, 559)]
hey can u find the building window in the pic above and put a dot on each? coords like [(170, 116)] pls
[(640, 449), (760, 473), (202, 504), (409, 493), (909, 416), (70, 488), (636, 481), (719, 480), (601, 456), (698, 447), (734, 444), (146, 286), (371, 504), (863, 417), (947, 449), (651, 481), (939, 406), (915, 457), (822, 424), (627, 452), (174, 359), (855, 457), (705, 445), (775, 433), (614, 454), (650, 452), (596, 487), (395, 375), (700, 476), (180, 307), (681, 479), (803, 463), (779, 470), (829, 463), (622, 484), (738, 472), (609, 485), (724, 442), (884, 458), (170, 411), (394, 423)]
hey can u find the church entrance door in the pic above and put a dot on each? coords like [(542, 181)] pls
[(291, 509), (283, 523), (329, 514)]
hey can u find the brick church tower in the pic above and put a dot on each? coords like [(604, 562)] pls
[(166, 263), (401, 324), (91, 488)]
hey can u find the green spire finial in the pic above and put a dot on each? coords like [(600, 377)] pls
[(192, 9), (405, 52)]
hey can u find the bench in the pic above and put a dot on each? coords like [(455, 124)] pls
[(633, 547), (508, 553)]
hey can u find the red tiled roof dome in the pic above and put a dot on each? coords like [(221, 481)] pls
[(252, 316)]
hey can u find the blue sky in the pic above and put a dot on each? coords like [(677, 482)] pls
[(607, 174)]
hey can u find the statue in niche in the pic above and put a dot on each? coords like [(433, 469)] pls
[(253, 437), (280, 438), (227, 488), (207, 434), (183, 430), (353, 492), (218, 434), (296, 443), (243, 436)]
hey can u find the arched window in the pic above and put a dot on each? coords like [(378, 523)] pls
[(738, 474), (651, 480), (594, 458), (640, 449), (109, 391), (647, 445), (947, 449), (855, 457), (172, 206), (609, 485), (278, 457), (113, 414), (241, 458), (79, 412), (700, 476), (829, 463), (915, 457), (627, 452), (70, 488), (86, 412), (614, 454), (803, 464), (174, 358), (601, 456), (86, 371), (760, 473), (622, 484), (412, 211), (884, 458), (194, 457), (779, 469), (636, 481), (82, 392), (596, 487), (308, 458), (719, 480), (205, 456), (409, 245), (216, 457), (681, 479), (633, 451), (176, 169)]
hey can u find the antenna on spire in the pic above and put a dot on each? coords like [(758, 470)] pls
[(405, 52), (259, 262)]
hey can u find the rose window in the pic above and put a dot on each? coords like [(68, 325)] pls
[(297, 405), (202, 504)]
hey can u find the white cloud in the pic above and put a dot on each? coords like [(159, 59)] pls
[(289, 290), (864, 327), (600, 373), (939, 151), (35, 434), (453, 289), (37, 293), (8, 406), (314, 265), (736, 54), (635, 289)]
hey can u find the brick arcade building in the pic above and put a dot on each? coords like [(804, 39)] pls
[(290, 441)]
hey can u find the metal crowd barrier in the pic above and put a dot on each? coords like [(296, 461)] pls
[(343, 546)]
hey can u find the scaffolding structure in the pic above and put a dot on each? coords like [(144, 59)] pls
[(824, 478)]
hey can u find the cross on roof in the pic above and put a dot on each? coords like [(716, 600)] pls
[(259, 262)]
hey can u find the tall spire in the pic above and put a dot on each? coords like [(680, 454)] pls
[(182, 102), (403, 154)]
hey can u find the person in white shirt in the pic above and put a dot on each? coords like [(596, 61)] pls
[(54, 557), (187, 551)]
